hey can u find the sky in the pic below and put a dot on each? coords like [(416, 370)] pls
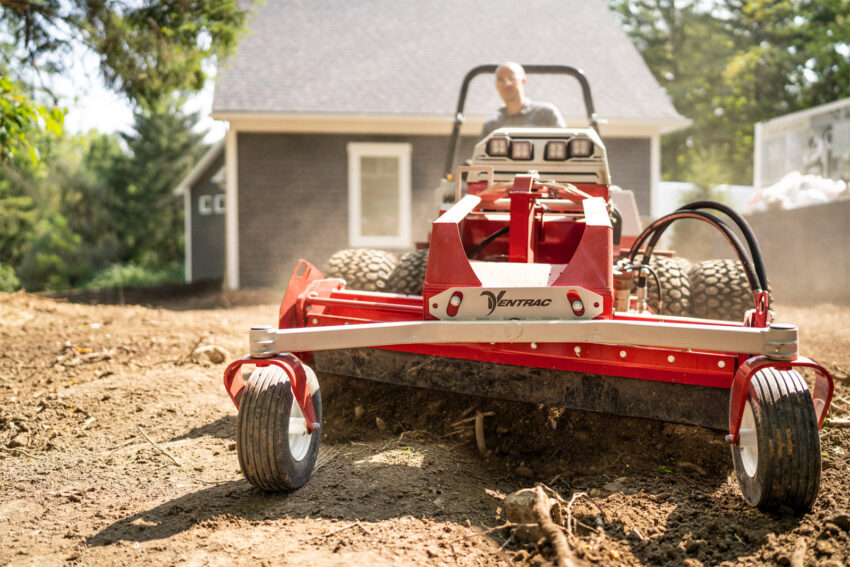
[(91, 105)]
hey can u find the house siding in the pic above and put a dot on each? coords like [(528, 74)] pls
[(630, 162), (207, 230), (290, 209)]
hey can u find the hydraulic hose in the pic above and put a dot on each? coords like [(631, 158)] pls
[(488, 240), (746, 230), (654, 231)]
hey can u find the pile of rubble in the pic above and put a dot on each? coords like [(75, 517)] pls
[(797, 190)]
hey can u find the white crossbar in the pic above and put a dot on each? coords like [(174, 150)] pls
[(777, 341)]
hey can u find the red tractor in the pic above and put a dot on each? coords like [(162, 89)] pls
[(527, 295)]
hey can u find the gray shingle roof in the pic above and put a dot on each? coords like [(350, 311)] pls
[(408, 57)]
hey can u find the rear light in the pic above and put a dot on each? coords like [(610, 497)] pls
[(580, 147), (556, 151), (521, 150), (498, 147)]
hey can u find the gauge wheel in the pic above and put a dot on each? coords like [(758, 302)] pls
[(777, 457), (364, 269), (276, 450), (409, 275)]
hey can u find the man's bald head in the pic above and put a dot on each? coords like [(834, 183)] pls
[(510, 82)]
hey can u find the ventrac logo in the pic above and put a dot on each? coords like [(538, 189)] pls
[(494, 301)]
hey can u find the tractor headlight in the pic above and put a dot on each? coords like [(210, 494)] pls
[(522, 150), (556, 150), (580, 147), (498, 147)]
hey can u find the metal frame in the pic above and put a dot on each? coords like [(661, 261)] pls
[(575, 72), (777, 342)]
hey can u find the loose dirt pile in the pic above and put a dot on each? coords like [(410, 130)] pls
[(399, 478)]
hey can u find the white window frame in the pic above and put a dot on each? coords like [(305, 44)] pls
[(205, 205), (357, 151), (218, 204)]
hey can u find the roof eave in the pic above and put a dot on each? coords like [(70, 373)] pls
[(417, 124), (199, 169)]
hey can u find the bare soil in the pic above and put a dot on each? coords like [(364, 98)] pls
[(402, 484)]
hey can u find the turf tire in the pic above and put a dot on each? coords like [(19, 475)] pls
[(262, 432), (675, 293), (409, 274), (720, 290), (364, 269), (787, 466)]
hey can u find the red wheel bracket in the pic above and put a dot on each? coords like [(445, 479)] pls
[(821, 396), (235, 385)]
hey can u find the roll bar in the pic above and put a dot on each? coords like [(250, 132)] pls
[(575, 72)]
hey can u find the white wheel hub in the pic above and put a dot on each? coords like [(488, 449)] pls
[(299, 435), (748, 441)]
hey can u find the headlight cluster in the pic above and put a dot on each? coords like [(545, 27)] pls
[(555, 150)]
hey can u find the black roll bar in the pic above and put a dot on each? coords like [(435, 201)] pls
[(575, 72)]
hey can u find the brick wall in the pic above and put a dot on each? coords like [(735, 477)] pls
[(293, 194)]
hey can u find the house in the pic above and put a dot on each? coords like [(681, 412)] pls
[(339, 115)]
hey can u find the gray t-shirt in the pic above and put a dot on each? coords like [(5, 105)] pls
[(543, 114)]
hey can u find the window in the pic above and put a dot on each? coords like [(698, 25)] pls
[(218, 204), (205, 204), (379, 194)]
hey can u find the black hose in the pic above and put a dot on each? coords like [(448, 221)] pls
[(654, 231), (746, 230), (488, 240)]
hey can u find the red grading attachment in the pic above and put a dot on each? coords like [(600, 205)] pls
[(526, 297)]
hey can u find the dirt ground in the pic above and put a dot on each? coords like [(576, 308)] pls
[(403, 484)]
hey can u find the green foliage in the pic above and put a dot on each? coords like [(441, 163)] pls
[(162, 150), (52, 257), (19, 116), (132, 274), (8, 281), (94, 200), (728, 64), (148, 49)]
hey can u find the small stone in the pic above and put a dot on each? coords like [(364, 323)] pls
[(210, 353), (359, 411), (519, 509), (825, 547), (594, 492), (841, 520), (692, 547), (524, 471), (19, 440), (380, 423)]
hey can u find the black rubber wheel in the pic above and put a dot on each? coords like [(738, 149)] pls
[(777, 458), (675, 290), (720, 290), (409, 275), (364, 269), (276, 451)]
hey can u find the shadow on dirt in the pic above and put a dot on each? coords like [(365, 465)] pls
[(222, 428)]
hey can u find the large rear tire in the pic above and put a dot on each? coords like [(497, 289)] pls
[(276, 450), (409, 275), (720, 290), (675, 292), (777, 458), (364, 269)]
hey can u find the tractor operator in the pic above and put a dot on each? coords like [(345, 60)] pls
[(519, 110)]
